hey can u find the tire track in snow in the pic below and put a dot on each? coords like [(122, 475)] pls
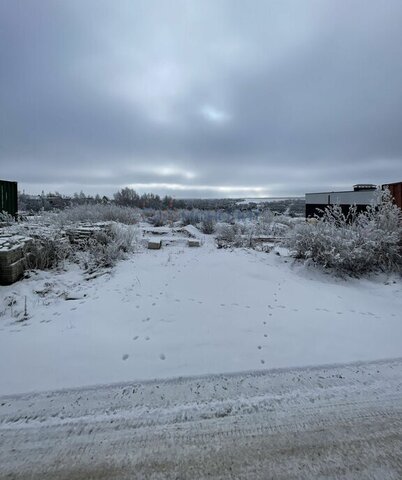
[(327, 422)]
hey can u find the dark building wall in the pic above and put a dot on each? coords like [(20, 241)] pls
[(8, 197), (313, 209), (396, 191)]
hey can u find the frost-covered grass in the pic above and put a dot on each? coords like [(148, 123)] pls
[(94, 213), (353, 244)]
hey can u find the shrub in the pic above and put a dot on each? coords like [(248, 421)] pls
[(353, 244), (158, 219), (47, 251), (105, 248), (272, 225), (6, 218), (190, 217), (235, 235), (208, 225)]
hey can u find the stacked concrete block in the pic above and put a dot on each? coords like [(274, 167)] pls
[(192, 242), (12, 260), (154, 244), (84, 232)]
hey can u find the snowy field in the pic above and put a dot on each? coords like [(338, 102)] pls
[(185, 311)]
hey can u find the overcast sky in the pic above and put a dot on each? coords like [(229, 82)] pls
[(200, 98)]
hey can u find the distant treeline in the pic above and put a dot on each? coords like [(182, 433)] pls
[(128, 197)]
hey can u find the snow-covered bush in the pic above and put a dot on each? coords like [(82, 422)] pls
[(47, 251), (272, 225), (6, 217), (234, 235), (95, 213), (190, 217), (208, 224), (105, 248), (158, 219), (264, 222), (355, 243)]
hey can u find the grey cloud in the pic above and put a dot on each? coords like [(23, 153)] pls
[(100, 94)]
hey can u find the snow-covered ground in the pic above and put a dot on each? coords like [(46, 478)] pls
[(188, 311)]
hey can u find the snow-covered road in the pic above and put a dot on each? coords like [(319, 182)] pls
[(323, 422)]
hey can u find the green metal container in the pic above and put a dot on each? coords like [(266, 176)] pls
[(8, 197)]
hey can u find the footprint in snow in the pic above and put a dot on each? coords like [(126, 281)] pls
[(146, 319), (265, 335), (162, 356), (259, 347), (136, 337), (125, 356), (146, 338), (262, 361)]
